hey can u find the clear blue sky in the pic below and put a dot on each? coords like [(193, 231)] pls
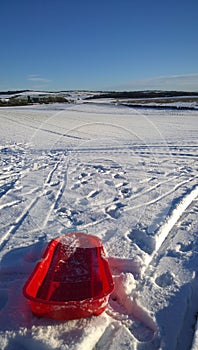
[(99, 44)]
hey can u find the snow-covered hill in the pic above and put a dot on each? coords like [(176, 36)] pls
[(141, 99), (124, 175)]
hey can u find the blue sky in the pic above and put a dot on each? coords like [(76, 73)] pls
[(99, 45)]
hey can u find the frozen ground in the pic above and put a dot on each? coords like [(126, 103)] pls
[(127, 177)]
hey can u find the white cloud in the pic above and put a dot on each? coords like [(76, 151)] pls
[(183, 82), (37, 78)]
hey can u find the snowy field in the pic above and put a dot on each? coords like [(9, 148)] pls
[(125, 175)]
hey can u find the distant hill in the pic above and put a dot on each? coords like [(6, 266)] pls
[(136, 99)]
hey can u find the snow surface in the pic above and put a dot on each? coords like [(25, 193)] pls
[(125, 176)]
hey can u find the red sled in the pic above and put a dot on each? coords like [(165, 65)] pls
[(72, 280)]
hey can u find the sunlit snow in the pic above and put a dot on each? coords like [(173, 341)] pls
[(128, 176)]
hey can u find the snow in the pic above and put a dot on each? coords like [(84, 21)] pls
[(195, 340), (124, 175)]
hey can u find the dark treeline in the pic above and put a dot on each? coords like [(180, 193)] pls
[(14, 92), (141, 94), (158, 107)]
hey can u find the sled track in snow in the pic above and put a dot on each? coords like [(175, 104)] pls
[(162, 196), (14, 227), (39, 193), (171, 221), (42, 127)]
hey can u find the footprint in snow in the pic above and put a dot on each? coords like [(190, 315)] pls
[(114, 210), (144, 241), (165, 279), (75, 186), (118, 176), (82, 175), (93, 194), (125, 192), (185, 247), (109, 182)]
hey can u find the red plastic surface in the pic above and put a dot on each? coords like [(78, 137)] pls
[(72, 280)]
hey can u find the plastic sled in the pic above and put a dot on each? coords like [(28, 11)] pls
[(72, 280)]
